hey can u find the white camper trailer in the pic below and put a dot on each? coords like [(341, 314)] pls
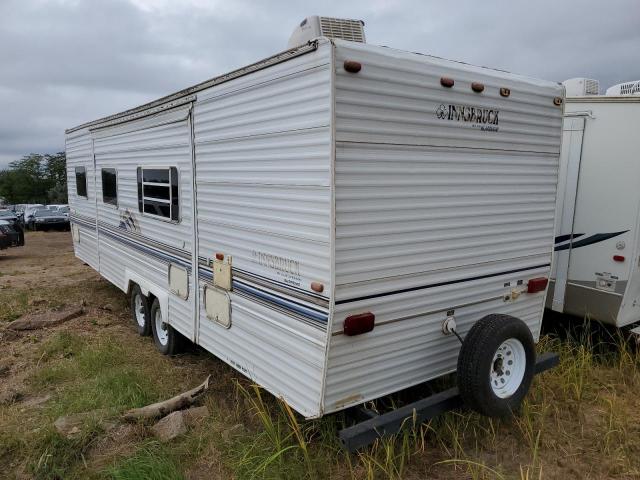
[(328, 220), (596, 272)]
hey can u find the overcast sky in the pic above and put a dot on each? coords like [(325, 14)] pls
[(64, 62)]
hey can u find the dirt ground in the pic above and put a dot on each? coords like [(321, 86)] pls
[(43, 276), (580, 420)]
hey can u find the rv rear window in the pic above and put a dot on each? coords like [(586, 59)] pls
[(110, 186), (158, 192), (81, 182)]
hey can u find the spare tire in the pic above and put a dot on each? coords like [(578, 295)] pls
[(496, 365)]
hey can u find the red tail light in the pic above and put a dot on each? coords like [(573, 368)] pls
[(360, 323), (537, 284), (618, 258)]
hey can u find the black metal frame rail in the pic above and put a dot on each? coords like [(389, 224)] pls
[(378, 426)]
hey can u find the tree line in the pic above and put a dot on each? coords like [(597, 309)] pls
[(35, 178)]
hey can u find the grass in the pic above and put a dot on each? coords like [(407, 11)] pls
[(152, 461), (84, 375), (580, 420), (586, 406), (14, 304), (576, 409)]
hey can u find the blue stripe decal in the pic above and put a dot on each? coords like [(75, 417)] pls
[(207, 274), (136, 244), (299, 309), (82, 222), (204, 263), (145, 241), (156, 253), (311, 313)]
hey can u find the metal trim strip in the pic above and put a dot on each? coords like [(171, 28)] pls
[(441, 284), (176, 99)]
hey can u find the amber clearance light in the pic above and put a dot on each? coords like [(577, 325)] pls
[(447, 82), (352, 66), (477, 87)]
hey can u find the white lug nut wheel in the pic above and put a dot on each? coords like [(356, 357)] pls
[(508, 367), (168, 341), (139, 310), (162, 329)]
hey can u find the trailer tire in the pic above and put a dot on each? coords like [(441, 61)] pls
[(140, 311), (167, 340), (496, 365)]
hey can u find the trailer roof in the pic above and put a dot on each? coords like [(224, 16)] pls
[(184, 95)]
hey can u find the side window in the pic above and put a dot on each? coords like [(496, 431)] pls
[(81, 182), (158, 192), (110, 186)]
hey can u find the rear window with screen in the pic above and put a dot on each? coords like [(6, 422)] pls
[(81, 182), (158, 192), (110, 186)]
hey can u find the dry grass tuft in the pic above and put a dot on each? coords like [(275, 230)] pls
[(580, 420)]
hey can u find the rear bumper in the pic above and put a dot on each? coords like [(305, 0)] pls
[(380, 425)]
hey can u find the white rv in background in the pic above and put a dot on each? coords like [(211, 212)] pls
[(329, 219), (596, 272)]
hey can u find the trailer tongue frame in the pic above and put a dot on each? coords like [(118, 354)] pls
[(375, 426)]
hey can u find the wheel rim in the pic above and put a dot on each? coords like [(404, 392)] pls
[(139, 310), (162, 329), (507, 368)]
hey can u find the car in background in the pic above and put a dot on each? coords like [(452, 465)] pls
[(46, 219), (60, 208), (29, 210), (10, 235), (57, 206), (64, 209), (10, 216)]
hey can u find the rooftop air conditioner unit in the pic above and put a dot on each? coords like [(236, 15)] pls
[(627, 88), (580, 87), (315, 26)]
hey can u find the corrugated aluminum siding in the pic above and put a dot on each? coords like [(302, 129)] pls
[(394, 99), (421, 201), (407, 346), (159, 141), (263, 152), (79, 154)]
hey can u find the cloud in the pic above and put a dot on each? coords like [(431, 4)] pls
[(65, 62)]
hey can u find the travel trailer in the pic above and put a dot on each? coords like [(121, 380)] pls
[(596, 272), (333, 220)]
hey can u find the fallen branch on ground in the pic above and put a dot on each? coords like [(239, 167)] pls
[(33, 321), (161, 409)]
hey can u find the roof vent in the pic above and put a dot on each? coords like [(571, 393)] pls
[(627, 88), (580, 87), (315, 26)]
